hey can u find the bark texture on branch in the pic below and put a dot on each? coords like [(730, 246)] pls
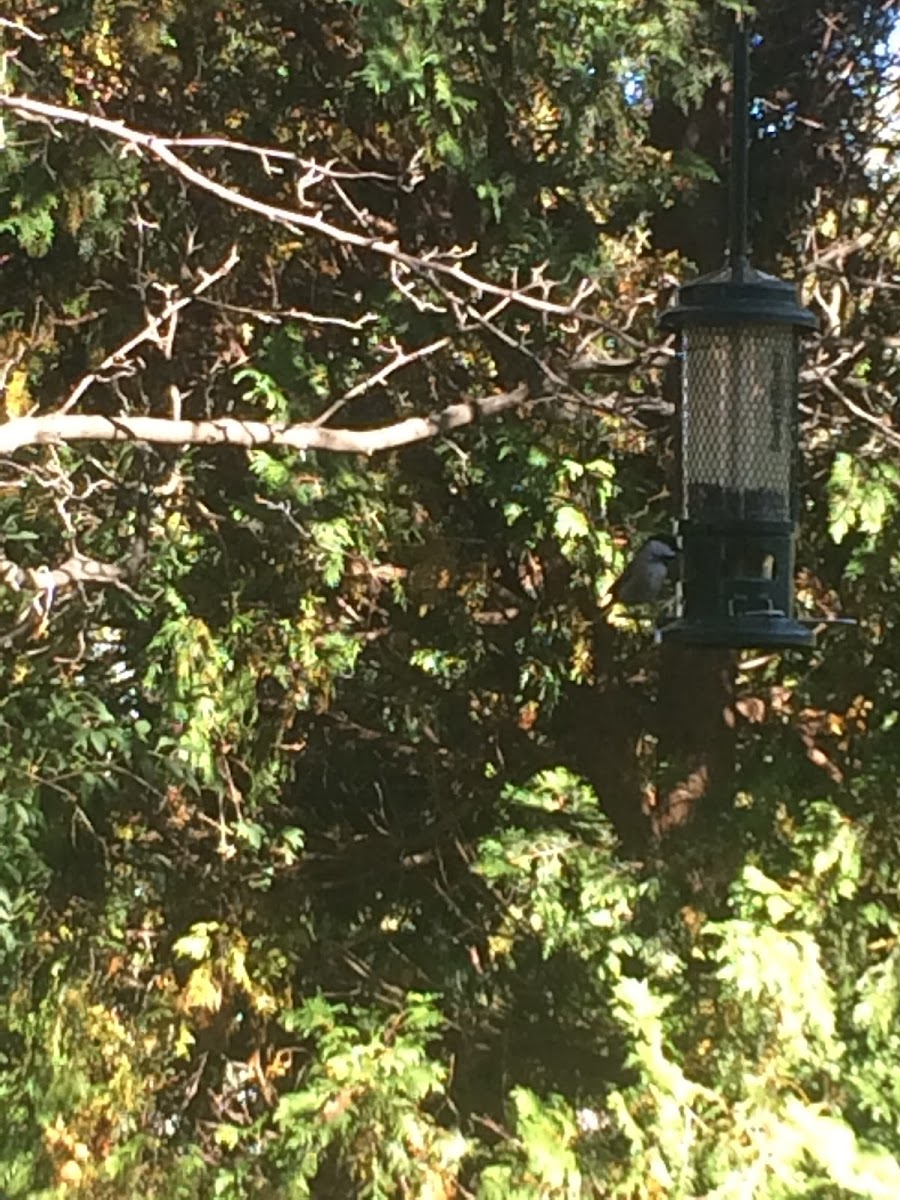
[(76, 570), (231, 431)]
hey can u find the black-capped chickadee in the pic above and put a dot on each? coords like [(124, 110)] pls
[(643, 579)]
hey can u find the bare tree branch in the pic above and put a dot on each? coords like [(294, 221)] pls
[(402, 358), (18, 27), (448, 266), (231, 431), (279, 316), (879, 424), (46, 583), (152, 331), (76, 570)]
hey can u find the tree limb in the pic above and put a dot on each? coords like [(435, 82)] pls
[(46, 583), (77, 569), (448, 266), (231, 431)]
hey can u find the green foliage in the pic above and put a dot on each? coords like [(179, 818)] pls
[(762, 1093), (547, 1165), (32, 224), (325, 862), (735, 1040), (862, 496), (360, 1102), (562, 883)]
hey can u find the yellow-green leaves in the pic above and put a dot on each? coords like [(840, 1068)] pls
[(863, 495)]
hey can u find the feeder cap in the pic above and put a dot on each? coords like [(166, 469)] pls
[(738, 296)]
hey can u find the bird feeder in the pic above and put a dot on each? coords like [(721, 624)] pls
[(739, 332)]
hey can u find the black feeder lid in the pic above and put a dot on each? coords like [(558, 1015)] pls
[(741, 296)]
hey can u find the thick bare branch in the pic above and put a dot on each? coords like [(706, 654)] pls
[(230, 431), (76, 570)]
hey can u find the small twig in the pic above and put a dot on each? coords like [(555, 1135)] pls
[(401, 359), (273, 317), (870, 418), (222, 143), (118, 358)]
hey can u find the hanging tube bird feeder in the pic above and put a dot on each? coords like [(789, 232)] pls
[(739, 333)]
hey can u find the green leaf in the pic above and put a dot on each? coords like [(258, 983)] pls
[(570, 524), (197, 944)]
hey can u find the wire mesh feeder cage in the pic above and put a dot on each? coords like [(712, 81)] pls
[(739, 332)]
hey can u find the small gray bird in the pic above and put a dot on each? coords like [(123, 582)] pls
[(643, 579)]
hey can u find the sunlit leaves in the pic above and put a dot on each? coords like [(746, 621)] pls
[(863, 495), (196, 689), (361, 1092), (262, 390), (570, 525), (558, 887), (197, 943), (544, 1162), (32, 224), (332, 540), (833, 1146), (201, 991), (447, 667)]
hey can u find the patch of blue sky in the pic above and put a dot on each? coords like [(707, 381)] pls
[(633, 82)]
